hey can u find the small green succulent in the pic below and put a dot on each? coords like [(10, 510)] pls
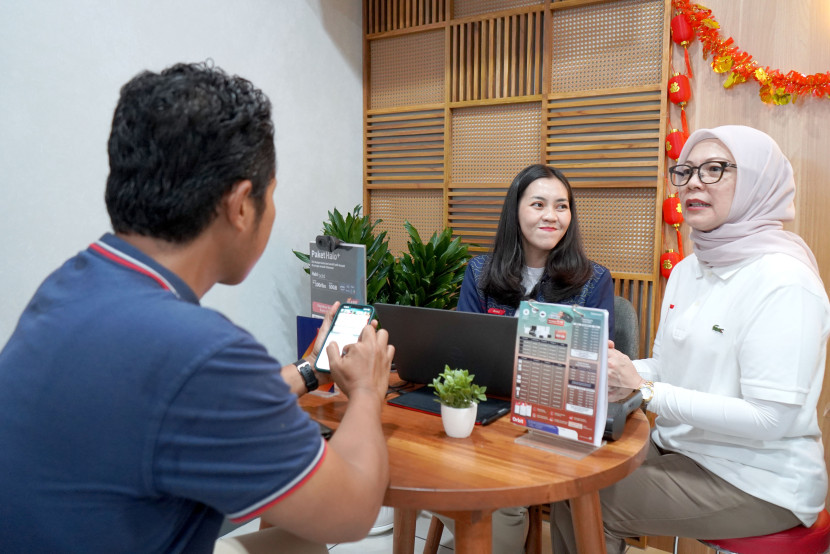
[(455, 388)]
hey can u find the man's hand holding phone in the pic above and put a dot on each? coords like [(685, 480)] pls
[(364, 363)]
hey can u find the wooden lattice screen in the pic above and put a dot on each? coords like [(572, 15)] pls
[(460, 95)]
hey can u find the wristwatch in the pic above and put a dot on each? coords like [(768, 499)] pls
[(307, 373), (647, 390)]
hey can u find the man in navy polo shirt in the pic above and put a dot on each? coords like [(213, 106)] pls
[(133, 419)]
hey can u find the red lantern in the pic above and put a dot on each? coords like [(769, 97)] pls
[(679, 93), (679, 89), (674, 143), (673, 215), (682, 33), (672, 212), (668, 260)]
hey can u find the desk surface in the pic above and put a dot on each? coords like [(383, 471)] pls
[(488, 470)]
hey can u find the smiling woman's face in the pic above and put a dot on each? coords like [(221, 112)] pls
[(706, 207), (544, 218)]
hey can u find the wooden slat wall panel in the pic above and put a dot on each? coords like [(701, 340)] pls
[(392, 15), (474, 212), (468, 8), (618, 227), (461, 95), (405, 149), (607, 45), (490, 145), (497, 58), (640, 292), (606, 139)]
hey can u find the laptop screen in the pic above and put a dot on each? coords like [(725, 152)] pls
[(427, 339)]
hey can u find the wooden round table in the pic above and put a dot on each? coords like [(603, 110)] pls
[(467, 479)]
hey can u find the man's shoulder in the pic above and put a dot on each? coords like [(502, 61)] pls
[(126, 311)]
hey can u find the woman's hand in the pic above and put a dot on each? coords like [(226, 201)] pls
[(621, 372)]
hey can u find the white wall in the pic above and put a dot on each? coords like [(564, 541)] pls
[(61, 67)]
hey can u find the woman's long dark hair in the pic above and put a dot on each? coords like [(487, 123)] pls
[(567, 267)]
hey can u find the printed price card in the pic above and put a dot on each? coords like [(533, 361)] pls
[(560, 380)]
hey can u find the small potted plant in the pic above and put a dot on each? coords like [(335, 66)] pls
[(459, 399)]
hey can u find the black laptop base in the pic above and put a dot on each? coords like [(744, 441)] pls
[(424, 400)]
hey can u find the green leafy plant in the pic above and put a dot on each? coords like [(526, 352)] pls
[(357, 229), (430, 273), (455, 388)]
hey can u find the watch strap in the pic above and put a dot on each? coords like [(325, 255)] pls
[(307, 374), (647, 390)]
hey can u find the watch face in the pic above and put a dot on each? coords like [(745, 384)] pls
[(648, 393)]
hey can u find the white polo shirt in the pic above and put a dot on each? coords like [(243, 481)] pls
[(755, 330)]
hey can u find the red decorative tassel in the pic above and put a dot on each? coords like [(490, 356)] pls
[(683, 121), (688, 65), (679, 242)]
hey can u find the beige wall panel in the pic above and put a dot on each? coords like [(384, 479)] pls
[(421, 208), (493, 143), (407, 70), (607, 45), (786, 36)]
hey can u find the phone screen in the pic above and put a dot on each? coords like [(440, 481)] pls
[(345, 329)]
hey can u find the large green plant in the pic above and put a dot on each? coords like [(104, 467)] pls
[(357, 229), (430, 273)]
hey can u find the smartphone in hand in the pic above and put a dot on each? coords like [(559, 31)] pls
[(349, 321)]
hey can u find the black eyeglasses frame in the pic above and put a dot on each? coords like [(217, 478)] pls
[(693, 169)]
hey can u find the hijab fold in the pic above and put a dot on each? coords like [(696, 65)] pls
[(763, 201)]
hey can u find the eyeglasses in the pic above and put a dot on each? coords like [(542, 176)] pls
[(709, 173)]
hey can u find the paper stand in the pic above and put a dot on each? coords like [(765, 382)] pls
[(327, 392), (564, 447)]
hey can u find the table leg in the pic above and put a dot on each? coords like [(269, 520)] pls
[(587, 519), (533, 543), (403, 534), (473, 531)]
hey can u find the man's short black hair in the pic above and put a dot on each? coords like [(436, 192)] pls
[(180, 140)]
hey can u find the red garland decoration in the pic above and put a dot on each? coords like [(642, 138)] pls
[(776, 87)]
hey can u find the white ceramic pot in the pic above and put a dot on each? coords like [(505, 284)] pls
[(459, 422)]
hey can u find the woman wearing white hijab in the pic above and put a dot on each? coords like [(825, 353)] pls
[(737, 366)]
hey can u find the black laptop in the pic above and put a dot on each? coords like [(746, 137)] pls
[(427, 339)]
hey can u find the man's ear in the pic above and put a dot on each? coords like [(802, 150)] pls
[(238, 206)]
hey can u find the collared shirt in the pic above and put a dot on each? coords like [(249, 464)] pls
[(756, 330), (133, 418)]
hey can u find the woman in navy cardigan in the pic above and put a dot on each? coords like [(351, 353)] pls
[(537, 255)]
